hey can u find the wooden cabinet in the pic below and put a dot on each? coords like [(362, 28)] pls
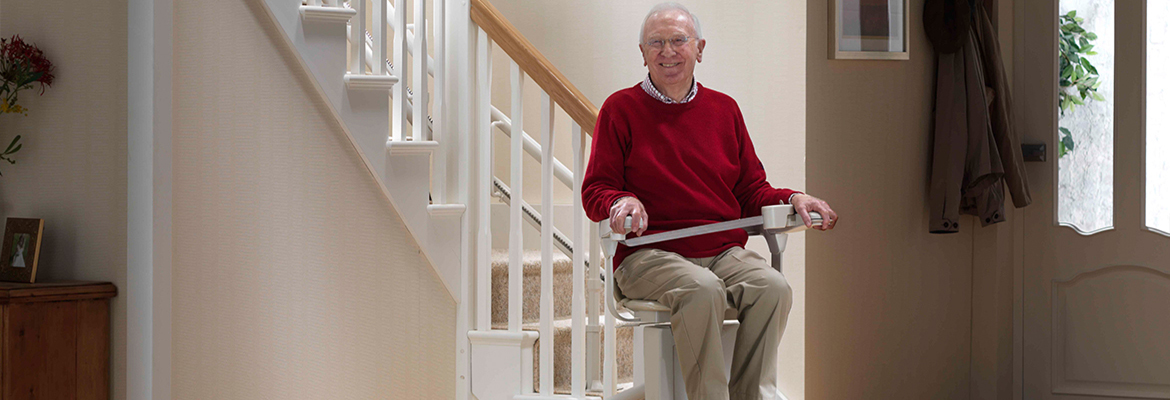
[(55, 340)]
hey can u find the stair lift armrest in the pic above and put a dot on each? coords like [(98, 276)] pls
[(778, 222), (609, 242)]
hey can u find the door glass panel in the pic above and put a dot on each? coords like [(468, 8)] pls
[(1085, 135), (1157, 118)]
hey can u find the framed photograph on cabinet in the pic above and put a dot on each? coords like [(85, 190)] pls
[(21, 250), (869, 30)]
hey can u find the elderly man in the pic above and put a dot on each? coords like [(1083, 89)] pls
[(675, 154)]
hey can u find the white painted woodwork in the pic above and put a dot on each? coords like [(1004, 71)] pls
[(414, 163), (593, 292), (516, 218), (326, 13), (483, 177), (1094, 320), (378, 31), (419, 80), (502, 362), (398, 110), (609, 365), (546, 245), (577, 384), (357, 40), (370, 82), (439, 187), (504, 124)]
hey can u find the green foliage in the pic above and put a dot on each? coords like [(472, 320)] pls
[(1078, 77)]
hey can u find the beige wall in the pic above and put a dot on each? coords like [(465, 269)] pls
[(72, 169), (889, 305), (755, 53), (293, 276)]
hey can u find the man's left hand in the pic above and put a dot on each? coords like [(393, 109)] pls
[(804, 203)]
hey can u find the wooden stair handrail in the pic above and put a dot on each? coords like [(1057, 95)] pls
[(533, 63)]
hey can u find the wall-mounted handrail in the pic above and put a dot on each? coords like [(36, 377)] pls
[(533, 63)]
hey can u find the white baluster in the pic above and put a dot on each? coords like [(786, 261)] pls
[(516, 218), (609, 364), (483, 175), (357, 40), (546, 245), (419, 81), (446, 146), (578, 344), (378, 31), (398, 113), (593, 304)]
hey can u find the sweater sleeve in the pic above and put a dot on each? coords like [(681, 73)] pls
[(752, 190), (605, 180)]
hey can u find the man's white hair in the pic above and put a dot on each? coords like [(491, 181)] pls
[(670, 6)]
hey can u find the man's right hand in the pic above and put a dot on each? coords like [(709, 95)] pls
[(628, 206)]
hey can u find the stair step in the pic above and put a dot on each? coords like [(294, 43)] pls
[(411, 146), (370, 82), (327, 13), (563, 353), (446, 210), (562, 286)]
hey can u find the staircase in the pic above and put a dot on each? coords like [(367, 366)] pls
[(562, 325), (412, 88)]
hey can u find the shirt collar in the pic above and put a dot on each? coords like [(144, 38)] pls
[(649, 88)]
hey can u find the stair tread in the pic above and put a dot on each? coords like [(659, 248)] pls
[(531, 261)]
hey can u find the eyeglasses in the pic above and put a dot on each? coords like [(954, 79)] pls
[(676, 42)]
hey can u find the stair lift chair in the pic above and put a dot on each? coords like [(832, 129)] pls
[(657, 374)]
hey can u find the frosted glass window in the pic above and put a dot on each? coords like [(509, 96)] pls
[(1085, 135), (1157, 120)]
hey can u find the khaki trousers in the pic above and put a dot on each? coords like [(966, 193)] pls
[(698, 292)]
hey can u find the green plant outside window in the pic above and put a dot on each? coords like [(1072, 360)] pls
[(1078, 77)]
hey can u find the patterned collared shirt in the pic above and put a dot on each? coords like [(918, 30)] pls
[(653, 92)]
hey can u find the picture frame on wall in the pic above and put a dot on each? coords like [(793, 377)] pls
[(869, 30), (21, 251)]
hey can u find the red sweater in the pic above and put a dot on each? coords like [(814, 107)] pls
[(689, 164)]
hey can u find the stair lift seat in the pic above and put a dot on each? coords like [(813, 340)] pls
[(656, 370)]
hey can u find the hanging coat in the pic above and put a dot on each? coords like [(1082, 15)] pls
[(973, 135)]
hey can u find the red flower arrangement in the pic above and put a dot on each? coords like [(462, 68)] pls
[(21, 66)]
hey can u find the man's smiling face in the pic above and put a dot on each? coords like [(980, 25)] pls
[(671, 67)]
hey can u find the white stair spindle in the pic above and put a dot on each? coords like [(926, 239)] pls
[(578, 344), (546, 246), (483, 176), (593, 294), (419, 80), (445, 146), (516, 218), (609, 364), (357, 40), (378, 31), (400, 101)]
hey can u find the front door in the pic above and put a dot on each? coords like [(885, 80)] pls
[(1096, 278)]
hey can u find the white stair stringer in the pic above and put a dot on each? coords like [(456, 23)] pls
[(320, 46), (408, 172)]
